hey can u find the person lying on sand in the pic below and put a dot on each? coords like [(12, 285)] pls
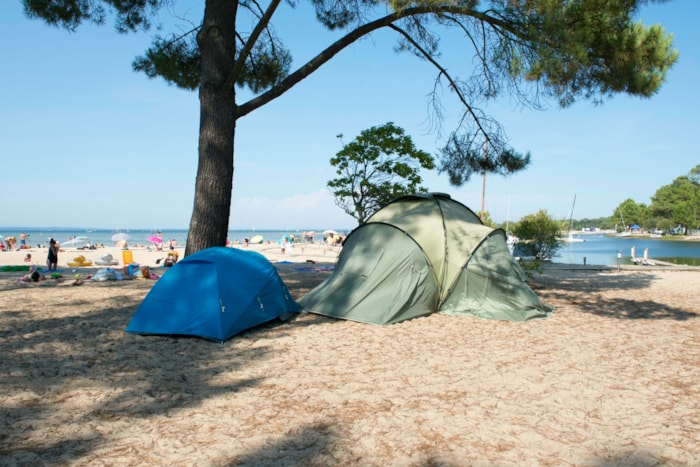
[(32, 276)]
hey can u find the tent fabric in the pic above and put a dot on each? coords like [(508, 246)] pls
[(382, 278), (215, 293), (422, 254)]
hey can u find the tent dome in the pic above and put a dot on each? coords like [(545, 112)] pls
[(422, 254), (215, 293)]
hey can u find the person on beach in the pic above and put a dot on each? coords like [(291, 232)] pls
[(28, 258), (32, 276), (52, 259), (286, 245), (22, 240), (172, 257)]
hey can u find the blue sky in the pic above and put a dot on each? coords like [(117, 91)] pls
[(87, 142)]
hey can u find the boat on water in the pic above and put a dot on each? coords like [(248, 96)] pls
[(569, 235), (625, 231), (511, 241), (602, 250), (571, 239)]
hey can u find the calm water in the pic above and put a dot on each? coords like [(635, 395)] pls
[(603, 250)]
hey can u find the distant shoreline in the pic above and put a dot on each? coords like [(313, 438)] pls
[(692, 238)]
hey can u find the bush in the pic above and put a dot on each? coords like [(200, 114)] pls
[(538, 236)]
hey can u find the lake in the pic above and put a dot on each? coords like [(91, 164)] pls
[(601, 250)]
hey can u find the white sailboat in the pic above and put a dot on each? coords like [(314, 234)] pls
[(625, 232), (570, 236)]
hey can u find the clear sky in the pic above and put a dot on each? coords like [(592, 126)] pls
[(87, 142)]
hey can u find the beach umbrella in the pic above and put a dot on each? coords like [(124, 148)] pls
[(329, 232), (155, 239), (77, 242), (121, 236), (257, 239)]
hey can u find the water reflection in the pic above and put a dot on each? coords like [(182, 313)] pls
[(601, 250)]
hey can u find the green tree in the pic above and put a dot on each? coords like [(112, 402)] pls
[(538, 235), (678, 202), (381, 164), (461, 160), (528, 49), (662, 223), (632, 213), (694, 175), (487, 219)]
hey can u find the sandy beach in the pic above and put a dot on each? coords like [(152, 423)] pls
[(300, 253), (611, 378)]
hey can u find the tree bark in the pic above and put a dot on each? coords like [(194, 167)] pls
[(218, 115)]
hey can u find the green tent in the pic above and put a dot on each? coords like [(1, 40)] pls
[(421, 254)]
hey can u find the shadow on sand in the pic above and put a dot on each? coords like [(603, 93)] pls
[(584, 289), (49, 354)]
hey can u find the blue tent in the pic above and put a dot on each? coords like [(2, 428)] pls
[(215, 293)]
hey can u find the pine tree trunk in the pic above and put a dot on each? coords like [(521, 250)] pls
[(218, 114)]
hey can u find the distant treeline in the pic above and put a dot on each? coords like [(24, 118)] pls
[(674, 209)]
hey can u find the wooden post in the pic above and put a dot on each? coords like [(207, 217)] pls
[(483, 195), (483, 187)]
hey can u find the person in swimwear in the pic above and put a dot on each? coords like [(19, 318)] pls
[(52, 259)]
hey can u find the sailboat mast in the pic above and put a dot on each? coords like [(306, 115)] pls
[(624, 227), (571, 216), (508, 216)]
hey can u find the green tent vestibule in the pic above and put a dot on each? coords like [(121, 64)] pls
[(422, 254)]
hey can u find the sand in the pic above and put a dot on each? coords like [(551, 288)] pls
[(318, 252), (611, 378)]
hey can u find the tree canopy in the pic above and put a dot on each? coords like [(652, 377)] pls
[(531, 50), (379, 165), (630, 212), (461, 160), (678, 202), (538, 236)]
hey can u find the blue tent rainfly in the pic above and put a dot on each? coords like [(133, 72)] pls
[(215, 294)]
